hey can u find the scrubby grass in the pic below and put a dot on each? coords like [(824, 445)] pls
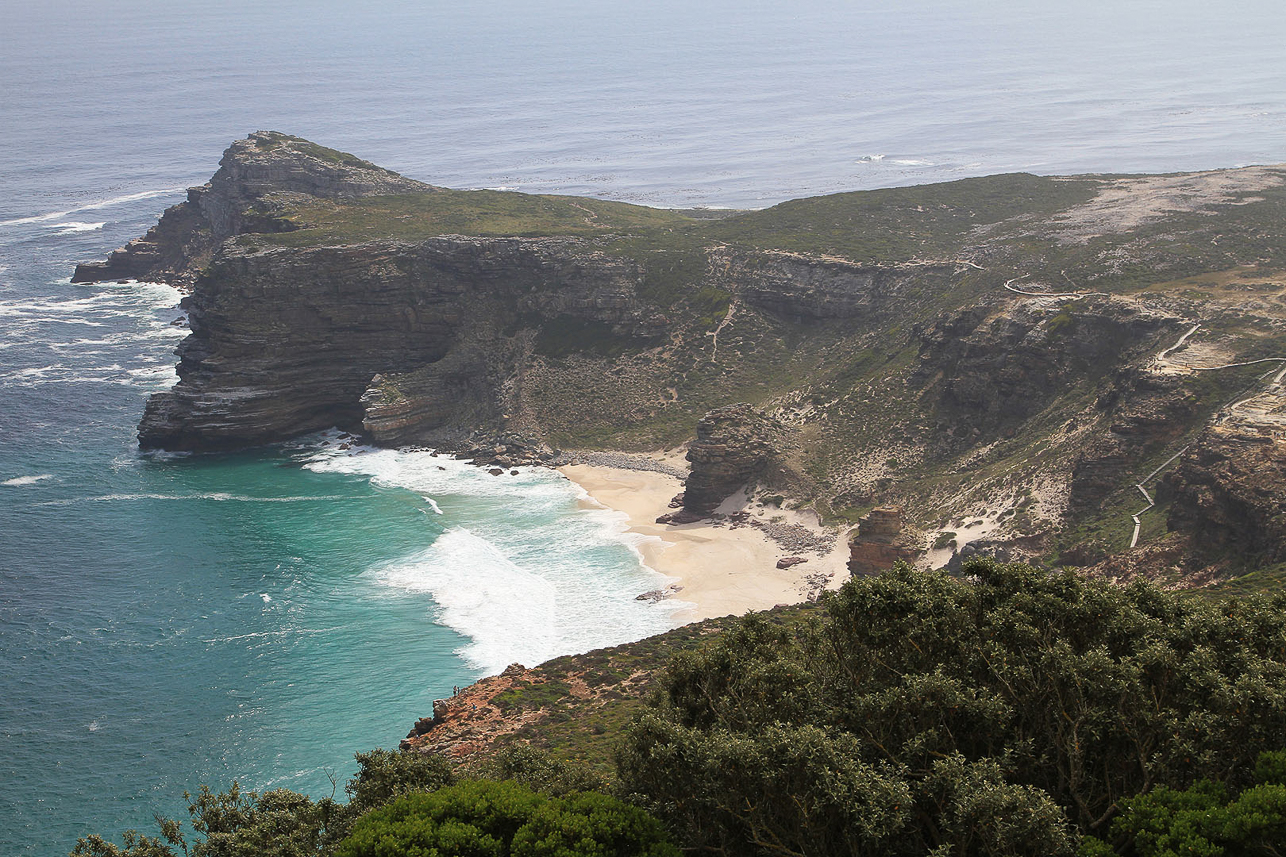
[(419, 216), (620, 680), (896, 224)]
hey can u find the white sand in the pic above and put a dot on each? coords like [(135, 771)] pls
[(721, 570)]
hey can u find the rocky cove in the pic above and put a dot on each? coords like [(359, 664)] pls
[(861, 356)]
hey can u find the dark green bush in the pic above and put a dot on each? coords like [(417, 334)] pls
[(497, 819), (1202, 820), (998, 716), (279, 823)]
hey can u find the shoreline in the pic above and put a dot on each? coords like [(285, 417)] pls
[(719, 567)]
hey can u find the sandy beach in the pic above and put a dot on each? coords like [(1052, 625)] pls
[(722, 570)]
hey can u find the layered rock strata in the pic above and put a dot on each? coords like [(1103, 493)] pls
[(1230, 491), (881, 541), (994, 369), (1145, 410), (733, 445), (287, 341), (461, 329), (239, 198), (799, 286)]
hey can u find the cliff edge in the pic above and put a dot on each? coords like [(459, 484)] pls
[(1013, 362)]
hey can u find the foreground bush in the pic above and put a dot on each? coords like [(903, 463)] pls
[(498, 819), (279, 823), (924, 714), (1203, 819)]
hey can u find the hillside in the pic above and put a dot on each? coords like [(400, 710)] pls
[(1006, 365)]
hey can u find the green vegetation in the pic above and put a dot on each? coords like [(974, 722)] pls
[(1203, 819), (924, 714), (497, 819), (564, 335), (275, 139), (880, 225), (405, 804), (896, 224), (946, 539), (279, 823), (1012, 712), (419, 216)]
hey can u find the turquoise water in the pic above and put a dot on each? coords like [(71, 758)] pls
[(171, 621)]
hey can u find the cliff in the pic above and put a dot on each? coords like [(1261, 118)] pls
[(255, 176), (1007, 360)]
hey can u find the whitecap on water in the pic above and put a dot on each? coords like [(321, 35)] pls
[(507, 611), (74, 227), (526, 533), (92, 206), (26, 480)]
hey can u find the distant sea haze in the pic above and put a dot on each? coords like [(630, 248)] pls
[(167, 621), (671, 103)]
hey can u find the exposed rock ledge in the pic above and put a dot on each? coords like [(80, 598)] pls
[(238, 199), (395, 339)]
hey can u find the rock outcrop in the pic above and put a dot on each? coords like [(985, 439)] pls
[(239, 198), (418, 315), (1145, 410), (733, 445), (994, 368), (1230, 492), (881, 541), (287, 341), (799, 286)]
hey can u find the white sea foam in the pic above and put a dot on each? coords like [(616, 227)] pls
[(508, 611), (870, 159), (217, 496), (130, 298), (93, 206), (532, 522), (26, 480), (283, 632), (912, 162), (72, 227), (153, 377)]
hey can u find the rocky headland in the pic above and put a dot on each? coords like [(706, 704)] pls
[(1005, 365)]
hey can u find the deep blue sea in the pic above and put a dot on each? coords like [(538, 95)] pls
[(169, 621)]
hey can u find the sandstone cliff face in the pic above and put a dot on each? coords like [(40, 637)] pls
[(288, 341), (810, 287), (733, 445), (1230, 491), (624, 325), (881, 541), (994, 370), (1145, 410), (238, 199)]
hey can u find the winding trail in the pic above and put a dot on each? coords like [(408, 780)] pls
[(1009, 284), (1237, 401), (1227, 411), (1134, 539), (732, 309), (1235, 365), (1173, 348)]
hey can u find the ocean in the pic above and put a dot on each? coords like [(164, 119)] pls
[(167, 621)]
